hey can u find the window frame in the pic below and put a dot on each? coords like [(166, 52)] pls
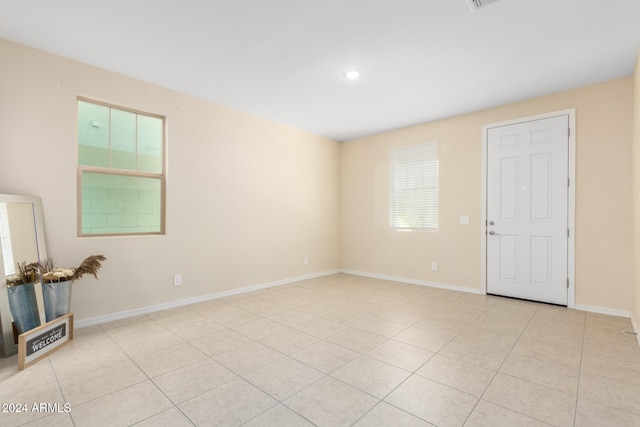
[(121, 172), (430, 153)]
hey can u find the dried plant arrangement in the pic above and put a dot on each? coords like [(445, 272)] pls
[(91, 265), (26, 273)]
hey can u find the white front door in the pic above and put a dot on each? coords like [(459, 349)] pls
[(527, 210)]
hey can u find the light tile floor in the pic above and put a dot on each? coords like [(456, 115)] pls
[(338, 351)]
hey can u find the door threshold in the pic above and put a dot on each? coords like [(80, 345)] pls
[(529, 300)]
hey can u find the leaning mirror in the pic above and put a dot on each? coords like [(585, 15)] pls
[(21, 241)]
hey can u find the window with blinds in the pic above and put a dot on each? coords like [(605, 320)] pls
[(414, 186)]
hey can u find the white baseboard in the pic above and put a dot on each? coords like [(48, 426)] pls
[(603, 310), (91, 321), (180, 303), (414, 282), (592, 309)]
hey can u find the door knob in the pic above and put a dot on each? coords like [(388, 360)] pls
[(492, 233)]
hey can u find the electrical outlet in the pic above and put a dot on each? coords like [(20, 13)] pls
[(177, 280), (306, 260), (434, 266)]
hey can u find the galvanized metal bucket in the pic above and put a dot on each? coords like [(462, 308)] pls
[(57, 299), (24, 307)]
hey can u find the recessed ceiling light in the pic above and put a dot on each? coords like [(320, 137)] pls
[(352, 74)]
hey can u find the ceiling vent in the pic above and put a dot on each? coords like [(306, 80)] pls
[(479, 4)]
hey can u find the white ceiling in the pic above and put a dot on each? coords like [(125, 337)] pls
[(420, 60)]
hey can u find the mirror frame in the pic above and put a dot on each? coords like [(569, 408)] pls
[(8, 346)]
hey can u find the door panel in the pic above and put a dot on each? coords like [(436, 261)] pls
[(541, 194), (509, 178), (527, 210), (540, 260), (509, 258)]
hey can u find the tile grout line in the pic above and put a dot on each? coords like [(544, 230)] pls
[(373, 299), (498, 371), (577, 400), (414, 372), (150, 379), (325, 375)]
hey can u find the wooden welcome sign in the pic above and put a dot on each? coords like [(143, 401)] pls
[(37, 343)]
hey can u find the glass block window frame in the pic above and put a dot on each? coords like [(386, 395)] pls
[(121, 170)]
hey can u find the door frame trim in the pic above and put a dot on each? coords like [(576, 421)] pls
[(571, 212)]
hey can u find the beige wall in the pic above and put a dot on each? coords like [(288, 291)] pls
[(247, 199), (635, 313), (294, 194), (603, 219)]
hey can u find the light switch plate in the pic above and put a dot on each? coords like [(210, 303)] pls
[(464, 220)]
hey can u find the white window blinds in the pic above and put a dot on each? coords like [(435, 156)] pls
[(414, 186), (5, 242)]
